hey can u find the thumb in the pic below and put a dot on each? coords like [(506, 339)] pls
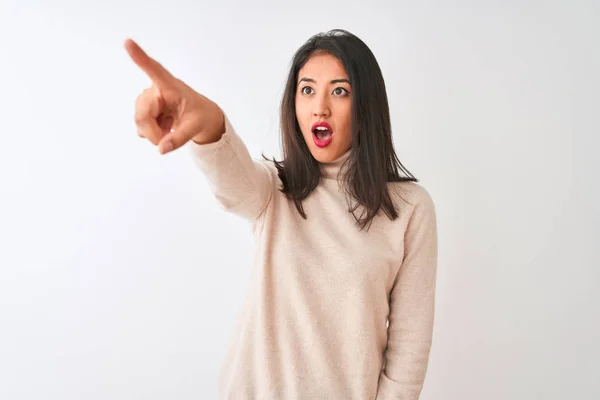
[(172, 141)]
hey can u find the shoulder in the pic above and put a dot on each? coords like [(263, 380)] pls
[(418, 214), (411, 195), (269, 167)]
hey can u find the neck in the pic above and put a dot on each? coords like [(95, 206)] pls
[(332, 169)]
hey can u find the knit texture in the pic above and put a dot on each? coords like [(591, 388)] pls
[(322, 292)]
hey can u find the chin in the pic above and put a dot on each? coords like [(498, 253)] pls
[(324, 155), (327, 154)]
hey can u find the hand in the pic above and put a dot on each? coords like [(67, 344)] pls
[(170, 113)]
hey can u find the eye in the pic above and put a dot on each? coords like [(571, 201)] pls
[(305, 91), (340, 91)]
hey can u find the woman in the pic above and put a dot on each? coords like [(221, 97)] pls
[(341, 304)]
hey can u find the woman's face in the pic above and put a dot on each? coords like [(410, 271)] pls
[(324, 97)]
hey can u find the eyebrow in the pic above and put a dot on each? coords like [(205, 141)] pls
[(305, 79)]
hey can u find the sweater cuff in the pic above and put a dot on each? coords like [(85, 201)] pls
[(199, 150), (389, 390)]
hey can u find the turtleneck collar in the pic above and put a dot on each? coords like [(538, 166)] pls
[(332, 169)]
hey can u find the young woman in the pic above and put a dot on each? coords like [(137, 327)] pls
[(341, 304)]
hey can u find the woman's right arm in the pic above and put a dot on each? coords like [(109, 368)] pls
[(170, 114), (240, 184)]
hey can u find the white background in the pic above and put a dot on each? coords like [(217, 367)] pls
[(120, 277)]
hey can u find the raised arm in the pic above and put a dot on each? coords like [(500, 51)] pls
[(170, 114), (241, 184)]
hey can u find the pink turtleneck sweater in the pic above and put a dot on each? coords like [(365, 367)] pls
[(323, 291)]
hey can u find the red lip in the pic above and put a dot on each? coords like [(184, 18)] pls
[(323, 124)]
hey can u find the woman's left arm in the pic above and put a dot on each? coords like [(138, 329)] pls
[(412, 303)]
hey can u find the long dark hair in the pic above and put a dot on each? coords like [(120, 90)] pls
[(372, 162)]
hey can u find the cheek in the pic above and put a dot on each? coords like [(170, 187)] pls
[(303, 121), (346, 120)]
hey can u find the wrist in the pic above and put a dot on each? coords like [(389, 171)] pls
[(213, 133)]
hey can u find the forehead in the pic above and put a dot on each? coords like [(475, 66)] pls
[(324, 66)]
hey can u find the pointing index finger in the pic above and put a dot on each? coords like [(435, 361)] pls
[(156, 72)]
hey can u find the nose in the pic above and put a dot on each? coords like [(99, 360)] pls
[(321, 107)]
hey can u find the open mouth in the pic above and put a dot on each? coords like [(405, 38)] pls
[(322, 133)]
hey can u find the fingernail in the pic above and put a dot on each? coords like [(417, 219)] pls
[(167, 146)]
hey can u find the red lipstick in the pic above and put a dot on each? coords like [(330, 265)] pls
[(322, 133)]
